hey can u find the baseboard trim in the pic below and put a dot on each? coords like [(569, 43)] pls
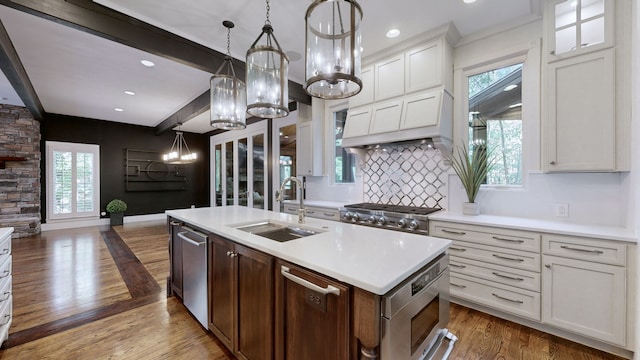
[(72, 224)]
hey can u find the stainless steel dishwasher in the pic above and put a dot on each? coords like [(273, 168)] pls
[(194, 274)]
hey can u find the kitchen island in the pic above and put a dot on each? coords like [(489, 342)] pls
[(359, 263)]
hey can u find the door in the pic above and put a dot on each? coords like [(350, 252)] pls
[(585, 297), (255, 304), (312, 315), (221, 286)]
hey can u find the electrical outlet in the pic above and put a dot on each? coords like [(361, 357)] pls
[(562, 210)]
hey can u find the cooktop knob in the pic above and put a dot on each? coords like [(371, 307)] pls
[(355, 217), (413, 224), (381, 221), (371, 219), (402, 223), (348, 215)]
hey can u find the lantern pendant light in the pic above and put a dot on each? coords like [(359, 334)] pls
[(179, 153), (267, 76), (228, 97), (333, 49)]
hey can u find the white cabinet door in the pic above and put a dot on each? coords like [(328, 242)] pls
[(423, 67), (585, 298), (357, 123), (304, 149), (386, 117), (421, 110), (389, 78), (581, 129), (366, 94)]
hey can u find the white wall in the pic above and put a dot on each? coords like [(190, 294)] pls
[(596, 199), (634, 178)]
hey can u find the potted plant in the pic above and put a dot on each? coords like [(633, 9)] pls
[(116, 209), (472, 169)]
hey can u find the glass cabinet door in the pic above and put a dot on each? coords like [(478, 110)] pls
[(580, 24)]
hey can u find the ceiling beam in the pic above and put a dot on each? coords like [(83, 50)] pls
[(93, 18), (14, 71)]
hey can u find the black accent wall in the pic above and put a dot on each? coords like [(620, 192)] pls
[(114, 138)]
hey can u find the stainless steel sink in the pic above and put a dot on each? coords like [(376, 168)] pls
[(276, 231)]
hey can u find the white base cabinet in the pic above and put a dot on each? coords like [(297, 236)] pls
[(586, 298), (576, 287), (6, 297)]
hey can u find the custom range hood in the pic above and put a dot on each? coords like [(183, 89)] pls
[(423, 118)]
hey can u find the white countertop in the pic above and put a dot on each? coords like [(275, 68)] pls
[(600, 232), (375, 260), (4, 232)]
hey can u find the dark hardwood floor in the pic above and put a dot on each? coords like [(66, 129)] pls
[(100, 293)]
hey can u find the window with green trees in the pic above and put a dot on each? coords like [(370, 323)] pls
[(495, 121)]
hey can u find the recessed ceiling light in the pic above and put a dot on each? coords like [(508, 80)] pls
[(118, 109), (147, 63), (515, 105), (129, 92), (393, 33), (510, 87), (469, 1)]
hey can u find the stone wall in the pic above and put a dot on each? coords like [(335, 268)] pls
[(20, 185)]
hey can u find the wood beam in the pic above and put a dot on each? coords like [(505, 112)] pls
[(93, 18), (14, 71)]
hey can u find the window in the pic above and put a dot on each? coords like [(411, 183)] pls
[(73, 175), (495, 121), (345, 163)]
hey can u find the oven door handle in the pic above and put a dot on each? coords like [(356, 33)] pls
[(309, 285)]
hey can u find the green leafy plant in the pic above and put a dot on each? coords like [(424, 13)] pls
[(116, 206), (472, 169)]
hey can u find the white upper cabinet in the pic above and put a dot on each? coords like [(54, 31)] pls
[(389, 78), (386, 117), (358, 122), (421, 110), (365, 96), (579, 26), (423, 67), (586, 104)]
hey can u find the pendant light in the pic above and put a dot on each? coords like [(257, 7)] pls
[(333, 53), (228, 105), (267, 76), (179, 153)]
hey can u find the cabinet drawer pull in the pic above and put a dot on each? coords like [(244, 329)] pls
[(5, 251), (310, 212), (552, 162), (174, 223), (457, 248), (6, 273), (507, 258), (458, 285), (454, 232), (509, 240), (309, 285), (582, 250), (457, 266), (231, 254), (507, 276), (6, 294), (504, 298), (329, 214), (6, 321)]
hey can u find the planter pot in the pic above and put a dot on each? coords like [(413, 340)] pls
[(116, 218), (471, 208)]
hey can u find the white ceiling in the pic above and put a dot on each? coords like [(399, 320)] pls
[(79, 74)]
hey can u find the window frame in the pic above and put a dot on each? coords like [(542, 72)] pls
[(332, 107), (74, 148), (529, 55)]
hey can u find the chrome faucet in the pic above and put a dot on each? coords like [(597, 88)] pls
[(279, 196)]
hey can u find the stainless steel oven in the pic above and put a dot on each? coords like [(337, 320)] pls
[(415, 314)]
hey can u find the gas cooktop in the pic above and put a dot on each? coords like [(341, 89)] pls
[(402, 209), (392, 217)]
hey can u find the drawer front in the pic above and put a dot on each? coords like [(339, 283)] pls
[(320, 213), (5, 291), (6, 315), (601, 251), (291, 209), (5, 249), (522, 279), (506, 238), (504, 298), (499, 256), (5, 271)]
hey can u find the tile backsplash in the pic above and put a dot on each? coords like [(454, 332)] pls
[(406, 174)]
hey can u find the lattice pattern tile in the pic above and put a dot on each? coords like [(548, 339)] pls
[(411, 175)]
